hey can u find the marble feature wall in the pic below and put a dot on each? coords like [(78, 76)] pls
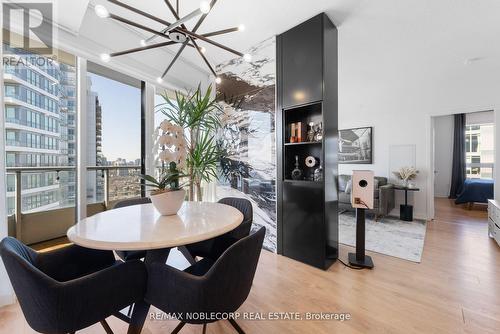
[(247, 96)]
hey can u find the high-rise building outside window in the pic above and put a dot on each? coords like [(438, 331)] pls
[(36, 113), (114, 132), (479, 148)]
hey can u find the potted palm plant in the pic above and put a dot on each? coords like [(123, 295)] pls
[(167, 193), (198, 114)]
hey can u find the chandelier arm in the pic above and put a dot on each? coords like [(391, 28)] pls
[(172, 10), (221, 32), (200, 21), (181, 30), (202, 18), (137, 25), (175, 59), (140, 12), (142, 48), (203, 56)]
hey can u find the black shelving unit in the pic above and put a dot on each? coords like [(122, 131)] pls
[(307, 92)]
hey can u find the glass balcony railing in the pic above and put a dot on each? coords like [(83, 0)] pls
[(18, 143), (39, 205), (31, 124)]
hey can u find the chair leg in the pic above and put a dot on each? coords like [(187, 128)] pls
[(236, 326), (204, 328), (184, 251), (130, 308), (106, 327), (178, 327)]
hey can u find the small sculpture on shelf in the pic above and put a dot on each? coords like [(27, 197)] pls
[(297, 132), (318, 174), (297, 172), (318, 132), (293, 138), (310, 132)]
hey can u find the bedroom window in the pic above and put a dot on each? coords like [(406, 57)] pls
[(479, 148)]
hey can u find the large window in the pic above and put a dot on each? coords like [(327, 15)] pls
[(114, 126), (479, 147), (38, 90)]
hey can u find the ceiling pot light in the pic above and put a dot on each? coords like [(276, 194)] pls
[(218, 80), (247, 57), (143, 42), (159, 80), (101, 11), (105, 57), (203, 50), (241, 27), (205, 7)]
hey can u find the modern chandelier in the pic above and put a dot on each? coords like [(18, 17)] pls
[(173, 33)]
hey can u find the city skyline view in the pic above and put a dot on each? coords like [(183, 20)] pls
[(40, 131), (121, 118)]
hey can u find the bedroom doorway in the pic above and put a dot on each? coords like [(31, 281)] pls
[(464, 144)]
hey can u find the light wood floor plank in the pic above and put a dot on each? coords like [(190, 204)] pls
[(456, 289)]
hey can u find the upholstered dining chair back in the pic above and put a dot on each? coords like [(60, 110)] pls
[(132, 201), (71, 288), (214, 247), (233, 273), (207, 286), (245, 207), (29, 283)]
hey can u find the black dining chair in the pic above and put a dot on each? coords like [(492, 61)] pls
[(213, 248), (71, 288), (207, 287), (131, 255)]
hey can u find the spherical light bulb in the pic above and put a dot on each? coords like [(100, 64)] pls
[(218, 80), (143, 42), (205, 7), (247, 57), (202, 49), (241, 27), (105, 57), (101, 11), (159, 80)]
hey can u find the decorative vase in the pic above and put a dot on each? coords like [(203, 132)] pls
[(318, 174), (169, 202), (297, 172)]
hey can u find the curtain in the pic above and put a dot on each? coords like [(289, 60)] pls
[(458, 172)]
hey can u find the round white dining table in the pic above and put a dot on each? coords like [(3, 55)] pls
[(141, 227)]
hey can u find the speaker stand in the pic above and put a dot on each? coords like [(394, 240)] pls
[(359, 259)]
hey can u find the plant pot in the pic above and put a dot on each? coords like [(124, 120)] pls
[(168, 203)]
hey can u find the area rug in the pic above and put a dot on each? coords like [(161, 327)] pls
[(389, 236)]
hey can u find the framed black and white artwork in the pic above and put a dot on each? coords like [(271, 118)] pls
[(355, 146)]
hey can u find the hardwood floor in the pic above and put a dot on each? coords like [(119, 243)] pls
[(455, 289)]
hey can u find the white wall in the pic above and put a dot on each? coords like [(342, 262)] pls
[(394, 76), (482, 117), (443, 155)]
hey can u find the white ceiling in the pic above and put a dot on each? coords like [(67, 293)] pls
[(414, 32), (262, 19)]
